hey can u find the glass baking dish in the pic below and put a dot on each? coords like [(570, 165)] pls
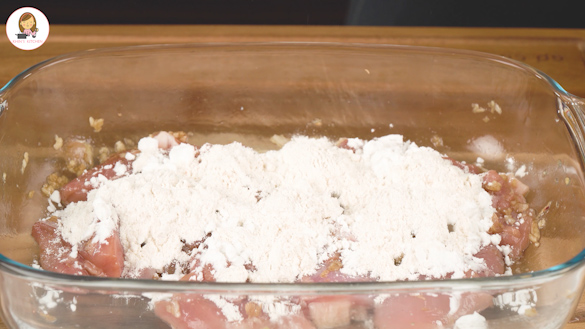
[(250, 92)]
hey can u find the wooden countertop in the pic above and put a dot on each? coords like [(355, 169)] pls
[(557, 52)]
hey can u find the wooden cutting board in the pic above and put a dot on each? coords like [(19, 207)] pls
[(557, 52)]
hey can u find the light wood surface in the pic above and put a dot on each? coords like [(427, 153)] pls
[(557, 52)]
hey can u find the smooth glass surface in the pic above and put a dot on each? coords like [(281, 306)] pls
[(249, 92)]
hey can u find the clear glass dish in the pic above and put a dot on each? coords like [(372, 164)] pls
[(249, 92)]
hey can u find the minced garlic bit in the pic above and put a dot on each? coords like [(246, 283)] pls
[(279, 140), (316, 122), (130, 144), (4, 177), (96, 124), (181, 136), (486, 119), (534, 234), (54, 182), (58, 142), (103, 154), (538, 224), (24, 162), (493, 186), (30, 194), (475, 108), (119, 147), (78, 155), (541, 217), (437, 140), (494, 107)]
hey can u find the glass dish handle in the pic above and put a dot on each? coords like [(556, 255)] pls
[(572, 110)]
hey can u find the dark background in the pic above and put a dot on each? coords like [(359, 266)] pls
[(473, 13)]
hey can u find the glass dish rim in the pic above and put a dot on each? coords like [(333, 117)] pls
[(29, 272)]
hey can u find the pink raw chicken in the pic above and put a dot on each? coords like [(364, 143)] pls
[(104, 259), (55, 254), (193, 311), (77, 189), (426, 311), (190, 311), (508, 199)]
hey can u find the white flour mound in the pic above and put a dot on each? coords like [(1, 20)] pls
[(391, 210)]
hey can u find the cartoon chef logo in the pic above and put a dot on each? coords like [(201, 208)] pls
[(27, 28)]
